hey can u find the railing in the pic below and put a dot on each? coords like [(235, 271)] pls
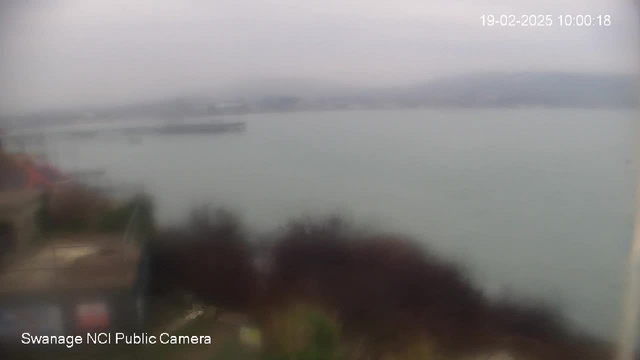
[(132, 220), (630, 313)]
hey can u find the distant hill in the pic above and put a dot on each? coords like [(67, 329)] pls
[(305, 88), (541, 89), (553, 89), (550, 89)]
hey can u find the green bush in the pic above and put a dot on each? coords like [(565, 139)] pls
[(138, 211), (77, 209), (302, 332)]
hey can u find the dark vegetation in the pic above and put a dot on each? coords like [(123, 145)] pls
[(75, 208), (320, 289), (208, 257), (386, 292)]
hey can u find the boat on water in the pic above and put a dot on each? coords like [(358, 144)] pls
[(202, 128)]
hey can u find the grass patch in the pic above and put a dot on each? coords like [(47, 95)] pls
[(234, 350)]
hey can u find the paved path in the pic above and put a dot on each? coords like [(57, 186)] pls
[(223, 330)]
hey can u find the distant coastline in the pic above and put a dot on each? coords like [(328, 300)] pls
[(486, 90)]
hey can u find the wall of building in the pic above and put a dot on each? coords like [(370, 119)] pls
[(19, 210)]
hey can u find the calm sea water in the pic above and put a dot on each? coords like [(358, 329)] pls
[(536, 201)]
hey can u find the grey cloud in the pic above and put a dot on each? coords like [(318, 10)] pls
[(89, 52)]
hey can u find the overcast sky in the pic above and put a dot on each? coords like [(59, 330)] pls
[(82, 52)]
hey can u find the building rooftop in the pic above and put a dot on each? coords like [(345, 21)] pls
[(78, 262), (11, 200)]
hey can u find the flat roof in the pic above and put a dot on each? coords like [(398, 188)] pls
[(10, 200), (78, 262)]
